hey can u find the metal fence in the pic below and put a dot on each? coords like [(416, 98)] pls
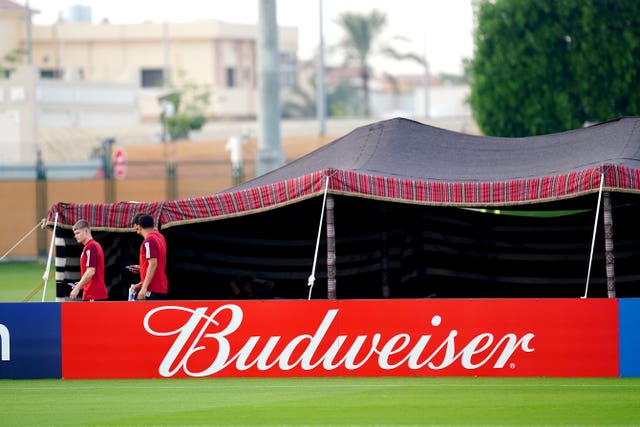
[(28, 191)]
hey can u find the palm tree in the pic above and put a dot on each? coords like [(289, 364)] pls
[(360, 43), (301, 101)]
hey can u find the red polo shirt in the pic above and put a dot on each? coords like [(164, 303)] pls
[(154, 246), (92, 256)]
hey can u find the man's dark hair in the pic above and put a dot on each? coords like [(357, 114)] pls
[(145, 221), (136, 218)]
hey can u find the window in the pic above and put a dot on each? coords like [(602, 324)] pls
[(151, 77), (231, 77), (50, 74)]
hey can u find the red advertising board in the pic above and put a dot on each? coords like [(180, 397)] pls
[(523, 337)]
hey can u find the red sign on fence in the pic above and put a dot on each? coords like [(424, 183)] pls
[(119, 163), (551, 337)]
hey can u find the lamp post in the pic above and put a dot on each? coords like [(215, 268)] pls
[(269, 155), (28, 35), (107, 166), (167, 109), (41, 200), (321, 96)]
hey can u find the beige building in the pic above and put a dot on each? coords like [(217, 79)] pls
[(12, 18), (90, 81), (218, 55)]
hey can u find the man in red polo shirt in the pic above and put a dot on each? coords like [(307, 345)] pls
[(91, 282), (153, 260)]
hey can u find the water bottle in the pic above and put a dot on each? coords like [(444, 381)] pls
[(132, 293)]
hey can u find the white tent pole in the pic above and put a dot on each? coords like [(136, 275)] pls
[(593, 239), (312, 277), (45, 276)]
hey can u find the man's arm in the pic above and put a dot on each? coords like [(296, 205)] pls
[(88, 274), (151, 271)]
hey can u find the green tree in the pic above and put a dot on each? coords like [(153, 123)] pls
[(551, 65), (301, 102), (9, 62), (361, 41), (607, 59), (190, 102), (341, 99)]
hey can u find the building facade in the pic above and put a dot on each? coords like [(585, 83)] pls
[(216, 55), (219, 56)]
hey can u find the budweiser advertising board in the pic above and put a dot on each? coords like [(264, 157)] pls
[(550, 337)]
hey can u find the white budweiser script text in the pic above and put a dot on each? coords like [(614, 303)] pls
[(195, 338)]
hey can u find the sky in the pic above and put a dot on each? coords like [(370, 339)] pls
[(441, 28)]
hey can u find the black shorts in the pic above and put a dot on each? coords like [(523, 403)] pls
[(150, 296)]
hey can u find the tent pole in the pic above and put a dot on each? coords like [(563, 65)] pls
[(331, 249), (384, 249), (608, 244), (45, 276), (312, 276), (593, 238)]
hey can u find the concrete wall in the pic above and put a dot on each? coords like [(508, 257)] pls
[(85, 104), (28, 103)]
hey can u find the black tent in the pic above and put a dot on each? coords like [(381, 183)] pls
[(417, 211)]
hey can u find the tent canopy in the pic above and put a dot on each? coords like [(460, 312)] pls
[(398, 187)]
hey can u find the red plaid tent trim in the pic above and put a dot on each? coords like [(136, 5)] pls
[(118, 216), (102, 216)]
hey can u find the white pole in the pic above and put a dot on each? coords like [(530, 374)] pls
[(28, 38), (45, 276), (166, 69), (321, 107), (269, 155), (593, 239), (426, 83), (312, 277)]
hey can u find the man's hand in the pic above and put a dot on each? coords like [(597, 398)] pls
[(74, 292)]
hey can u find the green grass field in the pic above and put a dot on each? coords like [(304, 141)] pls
[(22, 280), (322, 401), (305, 401)]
